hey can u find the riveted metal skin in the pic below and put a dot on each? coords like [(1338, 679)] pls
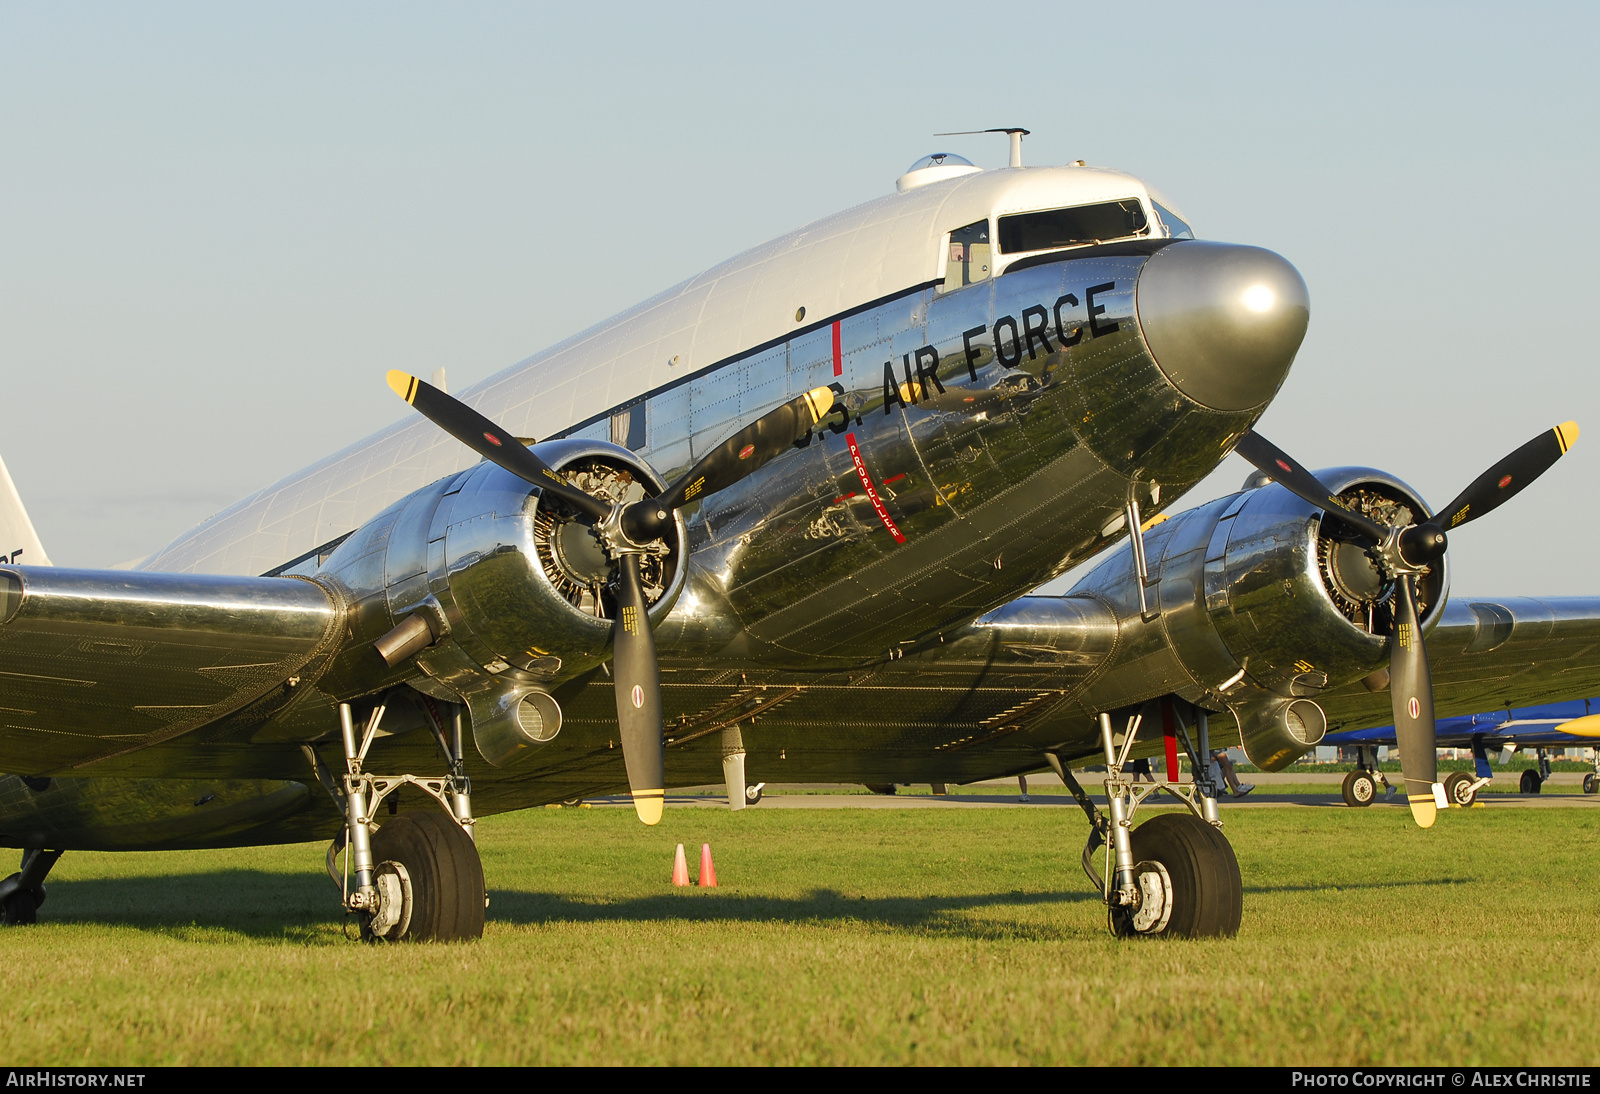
[(1246, 619), (467, 549), (1010, 420), (101, 663)]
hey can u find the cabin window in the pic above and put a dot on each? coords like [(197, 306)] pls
[(969, 259), (1072, 227), (1176, 228), (627, 427)]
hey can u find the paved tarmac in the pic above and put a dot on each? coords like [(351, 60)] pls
[(1048, 791)]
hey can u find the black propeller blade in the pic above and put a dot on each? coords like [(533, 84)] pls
[(1505, 479), (490, 441), (638, 688), (733, 459), (1273, 461), (627, 534), (1411, 699), (1401, 553)]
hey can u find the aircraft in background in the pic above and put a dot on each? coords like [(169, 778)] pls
[(1572, 723), (786, 514)]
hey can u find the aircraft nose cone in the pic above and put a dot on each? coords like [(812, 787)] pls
[(1222, 321)]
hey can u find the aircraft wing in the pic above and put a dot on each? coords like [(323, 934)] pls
[(1491, 654), (97, 663)]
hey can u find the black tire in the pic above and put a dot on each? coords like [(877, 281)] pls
[(1531, 781), (1207, 892), (1457, 788), (1591, 784), (752, 794), (1360, 789), (446, 874), (19, 909), (880, 788)]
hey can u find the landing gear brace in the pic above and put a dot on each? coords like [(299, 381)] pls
[(1176, 874), (438, 894)]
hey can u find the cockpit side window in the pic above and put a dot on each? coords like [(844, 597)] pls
[(1176, 228), (1074, 227), (969, 258)]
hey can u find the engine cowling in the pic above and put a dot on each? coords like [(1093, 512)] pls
[(517, 594), (1264, 604)]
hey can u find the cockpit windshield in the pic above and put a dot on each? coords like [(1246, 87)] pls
[(1176, 228), (1074, 227)]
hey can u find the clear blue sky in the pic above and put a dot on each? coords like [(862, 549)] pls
[(220, 224)]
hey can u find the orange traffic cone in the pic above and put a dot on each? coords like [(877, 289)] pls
[(680, 868), (708, 872)]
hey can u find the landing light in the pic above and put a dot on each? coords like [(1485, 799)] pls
[(1259, 298)]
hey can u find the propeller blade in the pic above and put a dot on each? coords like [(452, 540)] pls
[(1501, 482), (1411, 691), (1275, 462), (768, 436), (490, 441), (637, 679)]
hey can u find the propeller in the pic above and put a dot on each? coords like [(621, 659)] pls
[(628, 531), (1402, 554)]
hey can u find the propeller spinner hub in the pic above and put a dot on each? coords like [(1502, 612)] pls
[(1422, 544)]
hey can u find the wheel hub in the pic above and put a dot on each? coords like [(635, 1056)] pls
[(1155, 898), (392, 916)]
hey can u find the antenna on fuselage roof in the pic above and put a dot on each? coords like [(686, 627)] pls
[(1016, 135)]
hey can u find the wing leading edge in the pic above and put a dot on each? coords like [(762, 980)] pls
[(1489, 654), (96, 663)]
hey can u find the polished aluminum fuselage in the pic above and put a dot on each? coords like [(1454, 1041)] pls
[(985, 439)]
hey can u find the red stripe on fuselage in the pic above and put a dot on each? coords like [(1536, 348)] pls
[(838, 358)]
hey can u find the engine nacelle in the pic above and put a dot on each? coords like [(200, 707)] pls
[(516, 593), (1264, 603)]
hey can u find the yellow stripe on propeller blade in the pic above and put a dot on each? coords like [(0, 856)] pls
[(403, 383), (1567, 435), (819, 400)]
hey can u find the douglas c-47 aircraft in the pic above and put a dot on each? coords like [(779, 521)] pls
[(785, 516)]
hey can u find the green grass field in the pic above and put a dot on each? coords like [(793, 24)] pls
[(840, 936)]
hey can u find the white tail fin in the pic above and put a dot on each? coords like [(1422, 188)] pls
[(19, 543)]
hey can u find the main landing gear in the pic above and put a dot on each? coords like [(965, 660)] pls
[(1176, 874), (23, 892), (1360, 787), (1533, 781), (418, 877)]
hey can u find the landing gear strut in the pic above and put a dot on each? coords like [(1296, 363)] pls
[(1532, 780), (418, 876), (23, 892), (1176, 874)]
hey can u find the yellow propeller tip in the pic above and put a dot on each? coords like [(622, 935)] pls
[(1423, 810), (649, 804), (403, 383), (819, 400), (1568, 432)]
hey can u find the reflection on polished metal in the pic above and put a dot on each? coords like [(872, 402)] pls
[(1252, 614), (101, 663), (358, 814), (1222, 321), (1276, 732)]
